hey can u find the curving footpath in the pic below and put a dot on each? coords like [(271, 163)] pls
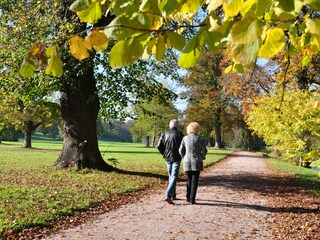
[(231, 204)]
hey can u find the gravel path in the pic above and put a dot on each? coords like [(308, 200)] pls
[(231, 204)]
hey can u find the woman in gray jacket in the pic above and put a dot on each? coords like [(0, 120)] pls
[(193, 150)]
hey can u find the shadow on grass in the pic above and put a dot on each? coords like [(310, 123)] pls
[(141, 174), (127, 152)]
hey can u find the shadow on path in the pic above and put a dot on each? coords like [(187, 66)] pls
[(217, 203)]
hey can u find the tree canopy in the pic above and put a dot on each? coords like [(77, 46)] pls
[(253, 28)]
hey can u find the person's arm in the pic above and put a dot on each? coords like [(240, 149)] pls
[(182, 149), (161, 146)]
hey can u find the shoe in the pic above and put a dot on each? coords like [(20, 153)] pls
[(174, 198), (192, 203), (168, 200)]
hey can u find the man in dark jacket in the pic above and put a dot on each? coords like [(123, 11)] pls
[(168, 146)]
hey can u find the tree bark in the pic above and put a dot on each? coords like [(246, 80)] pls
[(217, 128), (79, 107), (28, 129), (147, 141)]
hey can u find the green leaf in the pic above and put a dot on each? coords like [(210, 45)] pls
[(80, 5), (232, 7), (160, 48), (246, 30), (122, 6), (238, 68), (175, 40), (274, 43), (305, 61), (255, 7), (150, 45), (169, 7), (125, 52), (314, 4), (313, 26), (287, 5), (131, 25), (246, 53), (315, 44), (54, 68), (91, 14), (150, 6), (212, 39), (190, 6), (27, 68), (190, 54)]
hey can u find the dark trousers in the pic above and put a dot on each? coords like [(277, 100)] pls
[(192, 185)]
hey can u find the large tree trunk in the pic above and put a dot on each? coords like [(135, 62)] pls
[(80, 106)]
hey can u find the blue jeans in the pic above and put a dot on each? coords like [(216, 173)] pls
[(173, 173)]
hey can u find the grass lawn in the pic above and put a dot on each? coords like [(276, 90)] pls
[(32, 193), (308, 177)]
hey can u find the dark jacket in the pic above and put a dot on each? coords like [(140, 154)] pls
[(169, 144)]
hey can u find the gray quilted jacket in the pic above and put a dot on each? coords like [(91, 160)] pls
[(193, 150)]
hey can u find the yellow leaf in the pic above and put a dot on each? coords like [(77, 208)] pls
[(274, 43), (27, 68), (98, 40), (315, 44), (79, 48), (190, 6), (91, 14), (213, 4), (232, 7), (55, 64), (246, 30), (313, 26), (228, 69)]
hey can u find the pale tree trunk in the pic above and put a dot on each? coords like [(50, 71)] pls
[(217, 128), (153, 139)]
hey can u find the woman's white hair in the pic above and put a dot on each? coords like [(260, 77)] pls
[(193, 127), (174, 123)]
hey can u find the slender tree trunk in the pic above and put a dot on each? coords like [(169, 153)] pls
[(211, 142), (148, 141), (154, 139), (29, 128), (217, 128)]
